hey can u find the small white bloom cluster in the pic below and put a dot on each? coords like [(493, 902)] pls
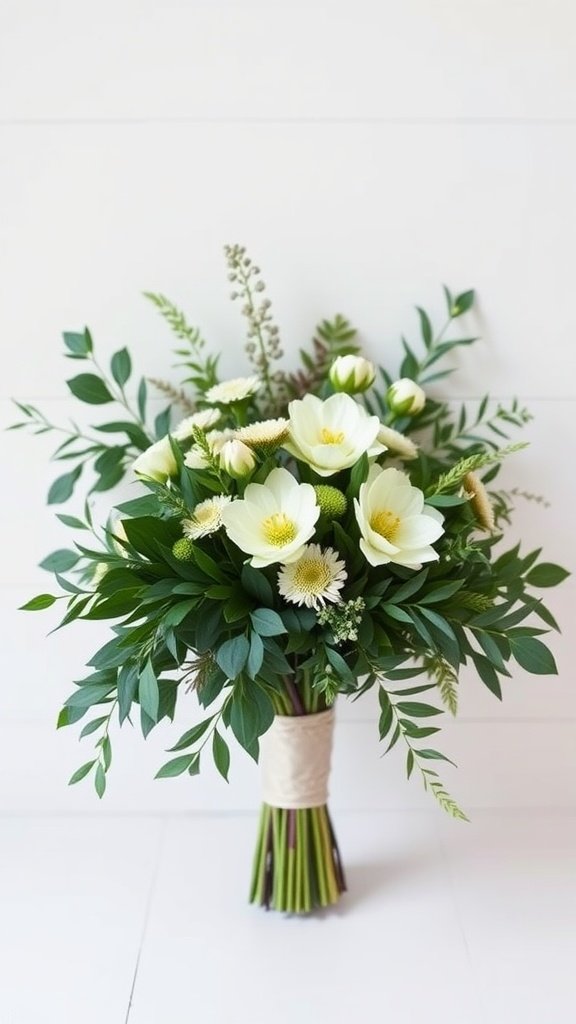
[(343, 619)]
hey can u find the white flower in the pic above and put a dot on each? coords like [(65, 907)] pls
[(405, 397), (231, 391), (204, 419), (157, 462), (395, 524), (397, 443), (266, 434), (237, 459), (273, 521), (206, 517), (195, 458), (352, 374), (315, 578), (331, 435)]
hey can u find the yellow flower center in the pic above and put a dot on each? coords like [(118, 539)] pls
[(331, 436), (279, 530), (205, 515), (385, 523), (312, 576)]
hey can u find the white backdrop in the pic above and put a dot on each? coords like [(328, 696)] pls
[(364, 153)]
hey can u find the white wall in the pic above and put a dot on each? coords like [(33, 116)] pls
[(364, 153)]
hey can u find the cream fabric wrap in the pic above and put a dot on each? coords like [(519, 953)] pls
[(295, 760)]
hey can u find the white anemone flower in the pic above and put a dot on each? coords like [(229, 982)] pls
[(331, 435), (273, 521), (397, 443), (204, 419), (317, 577), (206, 517), (231, 391), (395, 524)]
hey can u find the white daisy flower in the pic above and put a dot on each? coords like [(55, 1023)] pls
[(273, 521), (331, 435), (317, 577), (206, 517), (395, 524), (397, 443), (231, 391), (204, 419), (267, 434)]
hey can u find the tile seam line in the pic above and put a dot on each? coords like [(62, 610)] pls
[(147, 912), (479, 121)]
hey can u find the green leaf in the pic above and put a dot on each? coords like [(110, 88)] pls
[(192, 735), (221, 754), (81, 772), (547, 574), (60, 561), (90, 389), (177, 766), (462, 303), (63, 486), (127, 685), (433, 755), (93, 726), (337, 662), (256, 655), (37, 604), (233, 655), (415, 709), (256, 584), (78, 344), (425, 327), (100, 781), (121, 366), (267, 622), (533, 655), (148, 691), (71, 521), (141, 399)]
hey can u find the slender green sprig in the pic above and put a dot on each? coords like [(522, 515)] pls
[(453, 477), (203, 369), (263, 345)]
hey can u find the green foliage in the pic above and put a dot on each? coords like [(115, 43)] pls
[(194, 622)]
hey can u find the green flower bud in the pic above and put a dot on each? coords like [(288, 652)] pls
[(405, 397), (332, 502), (183, 549), (352, 374)]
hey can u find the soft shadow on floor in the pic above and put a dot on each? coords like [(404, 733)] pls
[(370, 877)]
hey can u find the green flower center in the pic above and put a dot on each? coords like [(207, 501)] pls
[(385, 523), (279, 530)]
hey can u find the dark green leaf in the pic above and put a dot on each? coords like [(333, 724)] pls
[(256, 584), (415, 709), (233, 655), (78, 344), (221, 754), (63, 486), (177, 766), (100, 781), (90, 388), (121, 366), (93, 726), (533, 655), (256, 655), (547, 574), (148, 691), (462, 303), (191, 736), (267, 622)]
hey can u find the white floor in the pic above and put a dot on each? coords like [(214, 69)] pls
[(144, 920)]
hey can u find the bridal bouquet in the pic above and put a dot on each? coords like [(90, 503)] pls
[(296, 536)]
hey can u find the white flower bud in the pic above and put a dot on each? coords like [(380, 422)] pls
[(237, 459), (352, 374), (405, 397), (157, 462)]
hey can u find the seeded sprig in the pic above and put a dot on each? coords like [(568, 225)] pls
[(447, 481), (263, 345)]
